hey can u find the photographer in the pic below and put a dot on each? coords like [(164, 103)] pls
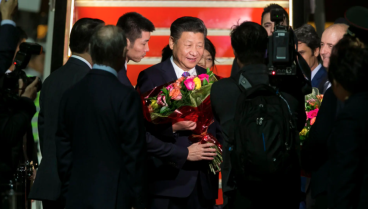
[(249, 42), (16, 105)]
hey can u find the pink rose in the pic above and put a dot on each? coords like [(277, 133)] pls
[(203, 76), (312, 113), (161, 100), (189, 83), (169, 87)]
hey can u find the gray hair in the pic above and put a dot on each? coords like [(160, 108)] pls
[(107, 45)]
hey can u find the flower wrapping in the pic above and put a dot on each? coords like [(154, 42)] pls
[(186, 99)]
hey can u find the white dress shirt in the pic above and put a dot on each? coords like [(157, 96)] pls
[(179, 72), (315, 71), (83, 60)]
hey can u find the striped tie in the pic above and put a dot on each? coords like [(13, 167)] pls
[(185, 74)]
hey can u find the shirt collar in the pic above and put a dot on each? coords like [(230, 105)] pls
[(105, 68), (83, 60), (315, 71), (179, 72)]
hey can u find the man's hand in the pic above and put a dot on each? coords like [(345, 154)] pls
[(200, 151), (31, 89), (184, 126), (7, 7)]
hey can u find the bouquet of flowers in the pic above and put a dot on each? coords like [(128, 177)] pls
[(186, 99), (312, 105)]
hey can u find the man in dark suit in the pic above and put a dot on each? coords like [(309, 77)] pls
[(100, 143), (179, 172), (314, 156), (138, 30), (249, 42), (47, 184), (308, 47)]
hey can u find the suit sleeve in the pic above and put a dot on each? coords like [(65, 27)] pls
[(63, 149), (133, 143), (156, 146), (8, 44), (41, 121), (344, 179)]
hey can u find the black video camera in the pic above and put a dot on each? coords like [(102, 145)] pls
[(286, 66), (26, 50)]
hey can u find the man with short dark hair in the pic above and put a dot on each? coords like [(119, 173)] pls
[(47, 185), (266, 18), (249, 42), (180, 176), (138, 30), (100, 143), (308, 47)]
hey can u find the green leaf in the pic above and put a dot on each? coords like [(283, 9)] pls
[(208, 70), (164, 109), (165, 91), (205, 82)]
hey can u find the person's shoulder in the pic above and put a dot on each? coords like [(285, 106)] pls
[(153, 68), (225, 83), (225, 88)]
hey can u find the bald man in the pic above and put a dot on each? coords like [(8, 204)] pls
[(314, 155), (330, 37)]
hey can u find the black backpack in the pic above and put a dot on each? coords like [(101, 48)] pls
[(264, 140)]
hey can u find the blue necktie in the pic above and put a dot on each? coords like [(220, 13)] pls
[(185, 74)]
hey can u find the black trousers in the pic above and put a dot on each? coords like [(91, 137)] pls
[(196, 200), (52, 204)]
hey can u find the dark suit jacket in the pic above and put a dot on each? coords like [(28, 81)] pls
[(314, 156), (320, 77), (47, 184), (348, 155), (171, 175), (224, 95), (123, 78), (9, 38), (323, 85), (100, 144)]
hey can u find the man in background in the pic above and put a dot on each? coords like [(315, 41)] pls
[(308, 47), (330, 37), (268, 25), (137, 30), (266, 18), (47, 185), (314, 157)]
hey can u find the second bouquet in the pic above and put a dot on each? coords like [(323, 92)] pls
[(186, 99)]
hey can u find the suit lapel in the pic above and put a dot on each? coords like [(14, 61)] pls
[(123, 78), (200, 70), (168, 71)]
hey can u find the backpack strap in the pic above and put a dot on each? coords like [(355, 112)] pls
[(242, 82)]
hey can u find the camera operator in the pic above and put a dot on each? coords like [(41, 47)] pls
[(249, 42), (267, 24)]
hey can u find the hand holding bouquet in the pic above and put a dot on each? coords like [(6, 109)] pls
[(186, 99)]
